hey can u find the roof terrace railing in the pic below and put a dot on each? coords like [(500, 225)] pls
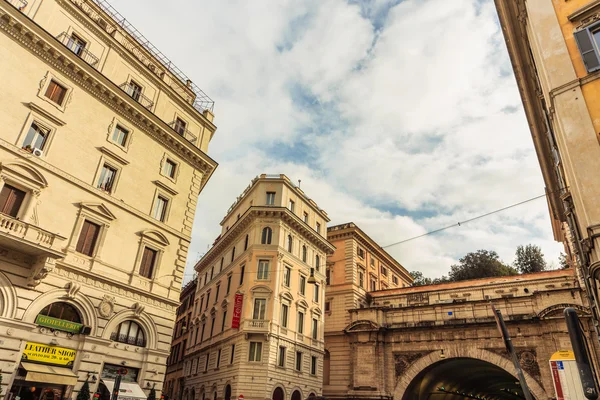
[(76, 47), (18, 4)]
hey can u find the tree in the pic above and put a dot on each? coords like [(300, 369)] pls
[(479, 264), (529, 259), (420, 279), (84, 393), (562, 261)]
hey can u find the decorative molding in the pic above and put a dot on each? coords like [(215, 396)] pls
[(72, 289), (527, 357), (581, 11), (166, 188), (99, 210), (39, 110), (404, 360), (113, 155), (138, 309), (106, 307)]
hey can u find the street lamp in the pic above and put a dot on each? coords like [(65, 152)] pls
[(311, 279)]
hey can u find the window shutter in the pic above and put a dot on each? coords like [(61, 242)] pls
[(87, 238), (10, 200), (587, 50), (147, 264)]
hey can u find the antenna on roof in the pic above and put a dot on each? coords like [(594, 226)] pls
[(299, 182)]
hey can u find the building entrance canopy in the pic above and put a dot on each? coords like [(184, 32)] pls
[(127, 391), (49, 374)]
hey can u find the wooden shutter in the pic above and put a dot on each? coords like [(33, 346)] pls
[(87, 238), (588, 51), (11, 200), (147, 264), (55, 92)]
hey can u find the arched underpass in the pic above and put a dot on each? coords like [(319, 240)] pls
[(461, 379)]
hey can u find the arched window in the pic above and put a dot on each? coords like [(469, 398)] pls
[(296, 395), (267, 235), (317, 262), (227, 392), (62, 310), (290, 243), (246, 243), (232, 254), (129, 332), (304, 253)]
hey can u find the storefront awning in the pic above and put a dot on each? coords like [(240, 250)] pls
[(127, 390), (49, 374)]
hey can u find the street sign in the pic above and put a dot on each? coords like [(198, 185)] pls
[(565, 376)]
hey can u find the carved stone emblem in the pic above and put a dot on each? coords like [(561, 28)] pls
[(527, 359), (138, 308), (107, 306), (403, 361), (72, 289)]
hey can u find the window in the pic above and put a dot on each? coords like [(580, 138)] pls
[(313, 365), (228, 285), (383, 271), (120, 136), (300, 327), (221, 265), (372, 262), (62, 310), (361, 278), (302, 285), (218, 358), (56, 92), (107, 178), (242, 270), (134, 90), (160, 208), (304, 253), (298, 361), (287, 274), (361, 253), (212, 272), (246, 243), (290, 243), (202, 334), (224, 319), (281, 360), (11, 200), (316, 293), (267, 234), (318, 228), (217, 292), (207, 300), (201, 302), (292, 206), (260, 308), (317, 262), (327, 306), (284, 315), (169, 168), (373, 284), (306, 217), (315, 328), (206, 363), (263, 270), (87, 238), (395, 280), (129, 332), (270, 198), (255, 352), (180, 126), (232, 354), (212, 326), (148, 262), (36, 137), (585, 40), (328, 276)]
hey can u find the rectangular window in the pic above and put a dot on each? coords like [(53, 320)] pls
[(242, 269), (169, 168), (232, 354), (201, 302), (270, 198), (180, 126), (263, 270), (36, 137), (328, 276), (224, 320), (206, 363), (281, 360), (373, 285), (313, 365), (148, 262), (228, 285), (585, 41), (287, 276), (11, 200), (56, 92), (302, 285), (212, 272), (207, 300), (292, 206), (134, 90), (383, 271), (87, 238), (217, 292), (316, 293), (120, 136), (76, 44), (318, 228), (327, 306), (218, 358), (300, 327), (284, 315), (361, 253), (306, 218), (160, 208), (361, 278), (260, 307), (212, 326), (315, 328), (395, 280), (255, 352), (298, 361), (107, 178), (202, 333)]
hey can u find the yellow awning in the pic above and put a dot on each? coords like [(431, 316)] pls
[(49, 374)]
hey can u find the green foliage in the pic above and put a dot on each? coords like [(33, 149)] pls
[(529, 259), (420, 279), (84, 393), (562, 261), (479, 264)]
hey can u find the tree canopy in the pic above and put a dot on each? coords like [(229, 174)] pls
[(529, 259), (480, 264)]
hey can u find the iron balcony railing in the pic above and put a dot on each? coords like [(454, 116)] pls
[(121, 338), (135, 93), (18, 4), (184, 132), (78, 48)]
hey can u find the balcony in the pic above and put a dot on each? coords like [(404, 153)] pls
[(135, 93), (18, 4), (121, 338), (78, 47), (29, 239), (257, 325), (183, 132)]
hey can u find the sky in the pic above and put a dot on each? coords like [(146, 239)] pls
[(402, 116)]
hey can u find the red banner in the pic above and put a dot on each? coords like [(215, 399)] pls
[(237, 310)]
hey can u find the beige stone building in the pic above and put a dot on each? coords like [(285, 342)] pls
[(258, 330), (357, 268), (102, 157), (555, 51)]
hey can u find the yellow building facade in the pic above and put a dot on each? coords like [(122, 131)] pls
[(555, 51), (258, 325), (102, 157)]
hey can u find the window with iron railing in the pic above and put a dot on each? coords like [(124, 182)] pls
[(78, 46), (129, 332), (135, 92)]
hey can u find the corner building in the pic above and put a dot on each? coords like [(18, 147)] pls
[(102, 157), (258, 329)]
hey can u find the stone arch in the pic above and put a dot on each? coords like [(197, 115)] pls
[(74, 297), (557, 310), (278, 392), (142, 319), (155, 236), (227, 391), (192, 394), (8, 298), (296, 394), (463, 352)]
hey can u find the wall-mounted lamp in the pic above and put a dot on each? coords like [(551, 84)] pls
[(442, 355), (311, 279)]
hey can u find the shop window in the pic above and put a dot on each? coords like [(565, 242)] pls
[(129, 332), (62, 310)]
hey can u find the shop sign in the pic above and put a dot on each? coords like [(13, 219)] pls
[(58, 324), (237, 310), (46, 354)]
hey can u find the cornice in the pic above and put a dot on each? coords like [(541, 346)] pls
[(34, 107), (46, 47)]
